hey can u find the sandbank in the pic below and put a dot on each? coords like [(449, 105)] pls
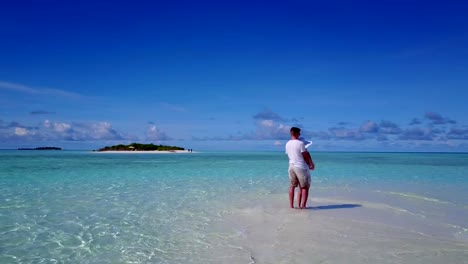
[(332, 230)]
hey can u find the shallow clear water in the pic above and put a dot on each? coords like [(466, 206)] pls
[(72, 206)]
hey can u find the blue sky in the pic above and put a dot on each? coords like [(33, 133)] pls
[(235, 75)]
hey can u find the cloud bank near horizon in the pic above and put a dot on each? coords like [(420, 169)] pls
[(267, 125), (63, 131), (430, 128)]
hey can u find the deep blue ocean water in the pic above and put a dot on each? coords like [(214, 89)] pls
[(85, 207)]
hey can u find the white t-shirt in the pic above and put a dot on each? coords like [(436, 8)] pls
[(294, 149)]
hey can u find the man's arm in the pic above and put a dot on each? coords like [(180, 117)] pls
[(308, 159)]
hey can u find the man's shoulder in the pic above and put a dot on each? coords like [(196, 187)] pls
[(294, 142)]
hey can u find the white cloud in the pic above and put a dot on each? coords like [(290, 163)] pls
[(61, 127), (38, 91), (269, 129), (51, 131), (155, 134), (89, 131), (57, 127), (20, 131), (266, 128), (267, 123)]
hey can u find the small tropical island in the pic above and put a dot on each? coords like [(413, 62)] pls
[(41, 148), (141, 147)]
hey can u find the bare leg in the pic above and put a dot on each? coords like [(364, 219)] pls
[(299, 197), (291, 196), (305, 195)]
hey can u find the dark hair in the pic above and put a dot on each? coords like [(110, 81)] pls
[(295, 130)]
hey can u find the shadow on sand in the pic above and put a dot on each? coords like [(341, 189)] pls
[(334, 206)]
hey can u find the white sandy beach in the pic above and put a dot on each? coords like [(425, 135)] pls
[(332, 231)]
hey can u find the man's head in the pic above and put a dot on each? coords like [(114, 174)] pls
[(295, 132)]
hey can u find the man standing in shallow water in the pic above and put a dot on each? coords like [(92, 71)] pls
[(300, 162)]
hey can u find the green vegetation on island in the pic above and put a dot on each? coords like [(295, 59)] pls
[(41, 148), (140, 147)]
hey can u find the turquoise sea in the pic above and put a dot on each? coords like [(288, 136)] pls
[(231, 207)]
